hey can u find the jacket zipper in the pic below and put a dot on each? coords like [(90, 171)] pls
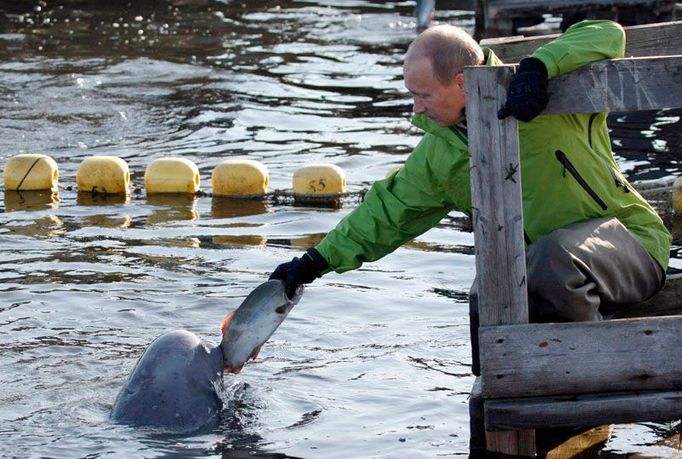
[(589, 128), (619, 183), (462, 136), (568, 166)]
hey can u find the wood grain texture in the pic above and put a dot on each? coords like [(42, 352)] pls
[(578, 358), (496, 198)]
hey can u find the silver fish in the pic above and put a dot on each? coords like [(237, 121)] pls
[(254, 322)]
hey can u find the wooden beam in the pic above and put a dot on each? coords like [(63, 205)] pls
[(496, 198), (618, 85), (584, 410), (660, 39), (497, 219), (586, 357), (512, 8)]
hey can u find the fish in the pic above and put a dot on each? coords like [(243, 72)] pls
[(247, 328)]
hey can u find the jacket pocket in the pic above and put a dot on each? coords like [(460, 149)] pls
[(568, 166)]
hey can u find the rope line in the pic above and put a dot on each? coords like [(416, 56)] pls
[(27, 172)]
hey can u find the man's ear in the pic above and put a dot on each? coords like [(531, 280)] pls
[(459, 80)]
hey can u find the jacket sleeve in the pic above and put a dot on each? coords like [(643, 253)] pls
[(582, 44), (402, 206)]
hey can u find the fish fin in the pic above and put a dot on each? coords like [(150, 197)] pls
[(226, 322)]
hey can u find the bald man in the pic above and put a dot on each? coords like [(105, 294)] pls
[(592, 240)]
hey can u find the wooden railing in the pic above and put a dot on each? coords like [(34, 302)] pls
[(497, 17), (544, 375)]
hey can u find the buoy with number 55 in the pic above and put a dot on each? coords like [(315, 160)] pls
[(319, 181)]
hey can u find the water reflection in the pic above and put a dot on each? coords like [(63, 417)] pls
[(224, 207), (47, 226), (86, 198), (172, 207), (239, 241), (106, 221), (307, 241), (31, 200)]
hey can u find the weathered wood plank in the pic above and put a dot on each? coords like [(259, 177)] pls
[(496, 197), (513, 442), (507, 8), (497, 219), (587, 410), (618, 85), (578, 358), (659, 39)]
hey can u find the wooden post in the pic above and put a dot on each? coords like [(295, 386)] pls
[(496, 198), (497, 218)]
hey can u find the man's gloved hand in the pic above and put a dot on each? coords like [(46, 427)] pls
[(527, 96), (299, 271)]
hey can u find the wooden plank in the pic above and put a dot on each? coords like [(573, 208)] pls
[(659, 39), (578, 358), (476, 420), (496, 197), (497, 218), (510, 8), (513, 442), (618, 85), (586, 410)]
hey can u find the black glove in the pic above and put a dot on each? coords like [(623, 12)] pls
[(299, 271), (527, 96)]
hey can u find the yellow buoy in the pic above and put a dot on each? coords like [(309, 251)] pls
[(319, 181), (171, 175), (677, 196), (31, 172), (103, 174), (240, 177)]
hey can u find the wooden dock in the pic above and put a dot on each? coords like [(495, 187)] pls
[(496, 18), (503, 17), (544, 375)]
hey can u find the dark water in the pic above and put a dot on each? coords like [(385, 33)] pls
[(374, 363)]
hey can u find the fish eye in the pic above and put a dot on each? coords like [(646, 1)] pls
[(281, 310)]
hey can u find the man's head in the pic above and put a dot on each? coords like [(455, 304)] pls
[(433, 72)]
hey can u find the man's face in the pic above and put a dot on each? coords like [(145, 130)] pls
[(444, 104)]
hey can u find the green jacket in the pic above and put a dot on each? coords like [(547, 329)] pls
[(568, 172)]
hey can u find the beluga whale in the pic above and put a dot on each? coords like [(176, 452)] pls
[(177, 382)]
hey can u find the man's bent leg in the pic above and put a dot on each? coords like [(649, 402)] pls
[(574, 270)]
